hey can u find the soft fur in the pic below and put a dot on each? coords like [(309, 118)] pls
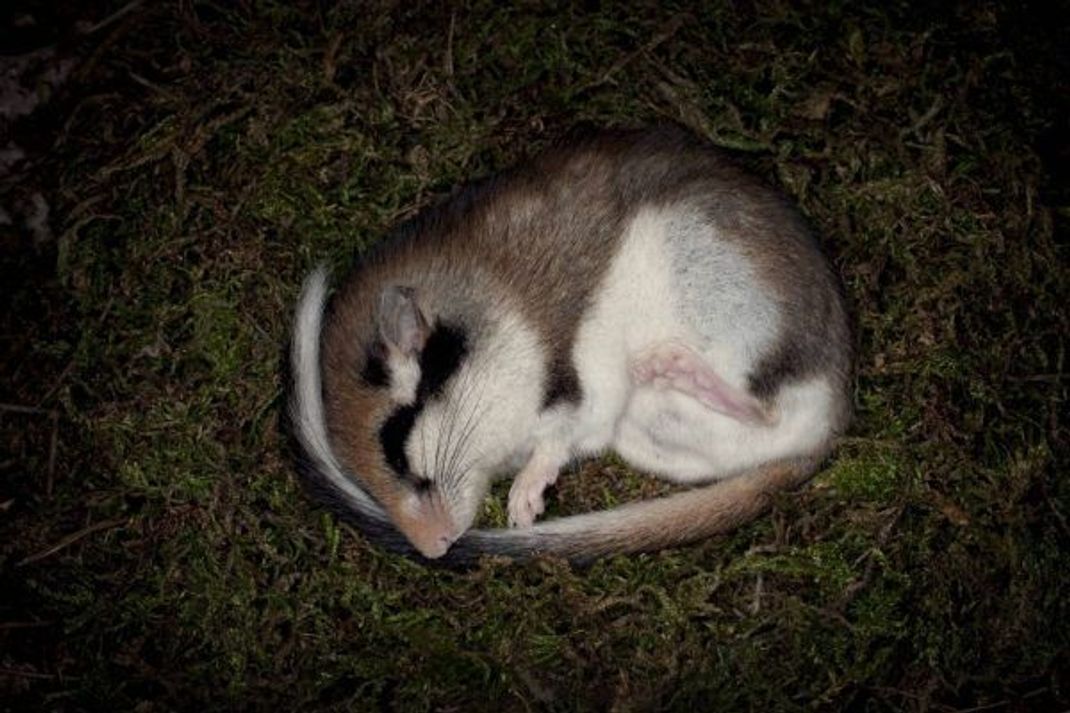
[(631, 291)]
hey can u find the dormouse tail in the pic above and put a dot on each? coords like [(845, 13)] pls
[(649, 525)]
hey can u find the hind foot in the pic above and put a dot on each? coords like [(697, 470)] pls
[(673, 365)]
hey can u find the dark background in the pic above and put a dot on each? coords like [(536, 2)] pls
[(169, 171)]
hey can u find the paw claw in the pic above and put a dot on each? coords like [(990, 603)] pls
[(524, 510), (526, 501)]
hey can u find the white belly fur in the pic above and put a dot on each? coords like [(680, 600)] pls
[(674, 280)]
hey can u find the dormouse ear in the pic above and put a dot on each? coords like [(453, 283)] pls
[(401, 323)]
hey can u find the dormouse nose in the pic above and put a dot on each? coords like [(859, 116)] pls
[(429, 527), (436, 548)]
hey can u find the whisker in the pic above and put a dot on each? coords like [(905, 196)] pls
[(436, 465), (448, 431), (454, 474), (444, 473), (453, 459), (455, 444), (423, 449)]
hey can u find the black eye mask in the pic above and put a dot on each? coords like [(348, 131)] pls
[(394, 434), (440, 358), (446, 346)]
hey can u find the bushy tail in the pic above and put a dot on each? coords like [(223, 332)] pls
[(309, 424), (642, 526)]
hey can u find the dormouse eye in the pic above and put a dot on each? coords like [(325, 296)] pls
[(393, 436), (374, 371)]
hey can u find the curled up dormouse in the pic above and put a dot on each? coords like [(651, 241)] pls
[(631, 291)]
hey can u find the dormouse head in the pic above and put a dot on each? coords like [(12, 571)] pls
[(423, 417)]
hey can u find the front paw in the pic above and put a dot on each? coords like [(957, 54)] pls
[(525, 504)]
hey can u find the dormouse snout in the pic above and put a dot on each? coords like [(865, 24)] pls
[(427, 524)]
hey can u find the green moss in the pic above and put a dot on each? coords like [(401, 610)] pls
[(876, 476), (174, 560)]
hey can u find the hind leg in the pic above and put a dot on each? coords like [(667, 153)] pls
[(676, 366), (679, 438)]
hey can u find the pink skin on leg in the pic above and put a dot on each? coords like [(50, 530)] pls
[(525, 496), (678, 367)]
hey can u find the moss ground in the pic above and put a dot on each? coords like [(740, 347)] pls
[(156, 551)]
